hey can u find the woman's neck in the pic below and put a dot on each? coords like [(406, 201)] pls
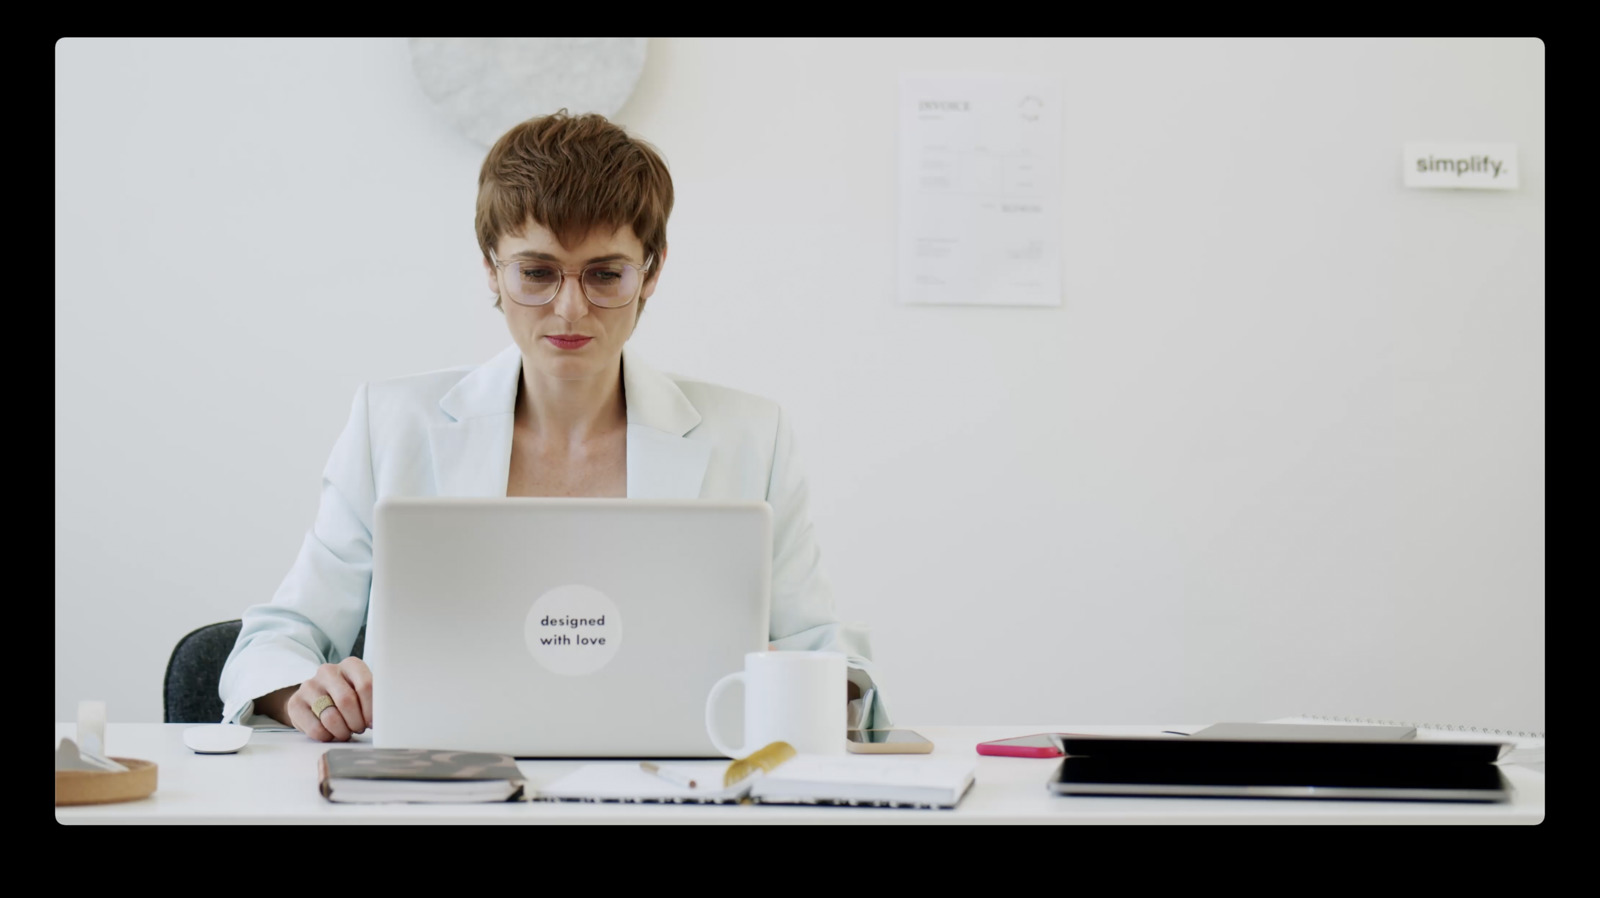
[(571, 411)]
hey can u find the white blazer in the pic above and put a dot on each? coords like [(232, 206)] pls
[(448, 433)]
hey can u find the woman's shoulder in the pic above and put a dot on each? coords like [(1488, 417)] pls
[(673, 401), (459, 391), (725, 406), (421, 390)]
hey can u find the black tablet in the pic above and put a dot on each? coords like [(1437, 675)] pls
[(1163, 766)]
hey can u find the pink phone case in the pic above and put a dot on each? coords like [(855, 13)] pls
[(999, 747)]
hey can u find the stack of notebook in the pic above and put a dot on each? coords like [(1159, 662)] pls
[(381, 775), (1284, 759)]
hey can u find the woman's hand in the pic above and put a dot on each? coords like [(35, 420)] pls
[(349, 684)]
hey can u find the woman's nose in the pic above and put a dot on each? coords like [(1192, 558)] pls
[(570, 303)]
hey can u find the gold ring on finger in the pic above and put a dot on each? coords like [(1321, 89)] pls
[(320, 705)]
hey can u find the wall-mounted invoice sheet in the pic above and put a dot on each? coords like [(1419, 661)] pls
[(980, 190)]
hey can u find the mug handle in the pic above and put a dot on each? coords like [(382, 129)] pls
[(711, 704)]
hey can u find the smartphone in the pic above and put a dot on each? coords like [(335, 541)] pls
[(887, 742), (1039, 745)]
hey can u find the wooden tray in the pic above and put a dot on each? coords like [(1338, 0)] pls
[(100, 787)]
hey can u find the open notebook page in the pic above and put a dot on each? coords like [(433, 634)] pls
[(624, 781)]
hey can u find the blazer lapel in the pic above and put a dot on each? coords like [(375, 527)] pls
[(472, 453), (662, 462)]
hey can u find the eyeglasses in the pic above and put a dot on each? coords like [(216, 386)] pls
[(609, 285)]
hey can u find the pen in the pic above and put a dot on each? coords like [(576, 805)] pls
[(667, 773)]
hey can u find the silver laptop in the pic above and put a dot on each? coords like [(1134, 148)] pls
[(561, 627)]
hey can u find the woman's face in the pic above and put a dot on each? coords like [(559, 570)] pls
[(594, 335)]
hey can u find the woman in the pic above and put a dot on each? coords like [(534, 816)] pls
[(571, 221)]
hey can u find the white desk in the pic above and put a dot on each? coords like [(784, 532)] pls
[(274, 780)]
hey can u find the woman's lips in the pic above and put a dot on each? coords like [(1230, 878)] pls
[(567, 341)]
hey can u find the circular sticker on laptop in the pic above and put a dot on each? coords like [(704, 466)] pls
[(573, 630)]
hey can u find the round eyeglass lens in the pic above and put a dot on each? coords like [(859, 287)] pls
[(610, 285), (534, 283)]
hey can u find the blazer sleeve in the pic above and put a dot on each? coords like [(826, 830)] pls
[(803, 616), (314, 617)]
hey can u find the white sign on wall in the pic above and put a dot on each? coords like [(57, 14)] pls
[(980, 190), (1482, 166)]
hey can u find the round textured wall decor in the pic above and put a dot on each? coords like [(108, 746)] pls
[(487, 84)]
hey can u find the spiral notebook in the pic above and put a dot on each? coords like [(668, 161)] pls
[(1527, 745), (914, 781)]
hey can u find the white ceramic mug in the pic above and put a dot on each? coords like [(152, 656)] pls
[(795, 697)]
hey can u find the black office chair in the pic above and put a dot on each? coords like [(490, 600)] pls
[(189, 693)]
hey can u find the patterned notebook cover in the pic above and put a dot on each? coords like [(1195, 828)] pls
[(419, 764), (406, 774)]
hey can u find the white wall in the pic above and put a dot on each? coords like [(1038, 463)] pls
[(1280, 450)]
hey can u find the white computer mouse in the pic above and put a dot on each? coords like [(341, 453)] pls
[(217, 738)]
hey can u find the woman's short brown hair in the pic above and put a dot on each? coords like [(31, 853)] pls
[(572, 174)]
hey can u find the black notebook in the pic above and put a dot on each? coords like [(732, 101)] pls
[(416, 774), (1234, 768)]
